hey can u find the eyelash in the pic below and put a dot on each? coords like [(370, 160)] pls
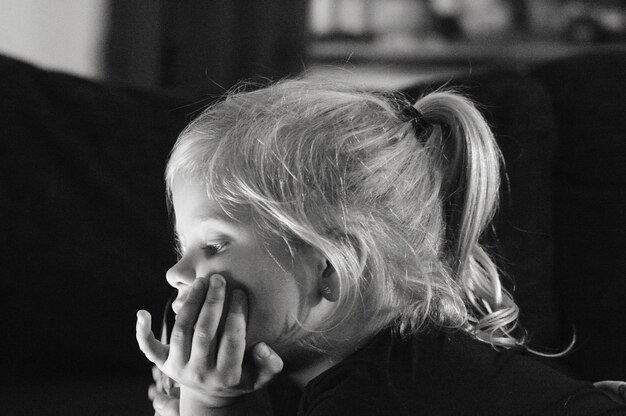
[(213, 248), (178, 248)]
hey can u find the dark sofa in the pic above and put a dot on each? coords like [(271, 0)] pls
[(86, 241)]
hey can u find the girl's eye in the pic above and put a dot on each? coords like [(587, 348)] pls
[(214, 248)]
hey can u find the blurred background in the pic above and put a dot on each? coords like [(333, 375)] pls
[(207, 45), (86, 239)]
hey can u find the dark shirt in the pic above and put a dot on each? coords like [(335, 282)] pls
[(440, 374)]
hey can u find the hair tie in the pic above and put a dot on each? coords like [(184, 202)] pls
[(420, 124)]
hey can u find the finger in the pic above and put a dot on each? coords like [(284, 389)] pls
[(233, 341), (157, 376), (182, 333), (163, 338), (616, 390), (204, 338), (153, 390), (268, 364), (165, 405), (148, 344)]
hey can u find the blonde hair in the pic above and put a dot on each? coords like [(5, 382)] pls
[(397, 212)]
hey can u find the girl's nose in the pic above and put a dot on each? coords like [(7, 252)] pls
[(180, 274)]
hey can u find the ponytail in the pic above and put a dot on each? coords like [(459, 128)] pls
[(466, 155)]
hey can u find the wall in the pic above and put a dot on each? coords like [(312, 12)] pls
[(63, 35)]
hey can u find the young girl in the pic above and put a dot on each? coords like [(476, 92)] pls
[(330, 263)]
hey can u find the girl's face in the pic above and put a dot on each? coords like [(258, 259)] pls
[(282, 290)]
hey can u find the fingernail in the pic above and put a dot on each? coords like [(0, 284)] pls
[(263, 350), (217, 281), (140, 319), (158, 402)]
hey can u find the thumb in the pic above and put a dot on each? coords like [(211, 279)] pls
[(616, 390), (165, 405)]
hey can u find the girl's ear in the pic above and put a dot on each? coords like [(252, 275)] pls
[(329, 283)]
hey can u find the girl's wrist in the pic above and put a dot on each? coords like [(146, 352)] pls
[(255, 403), (195, 404)]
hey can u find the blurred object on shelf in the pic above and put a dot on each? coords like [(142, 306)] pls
[(446, 15), (579, 21), (365, 20), (486, 19), (592, 21), (387, 43), (462, 20)]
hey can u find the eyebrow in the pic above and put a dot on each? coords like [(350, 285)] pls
[(221, 221)]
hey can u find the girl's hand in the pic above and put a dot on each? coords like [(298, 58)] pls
[(209, 368), (616, 390), (165, 405), (165, 399)]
